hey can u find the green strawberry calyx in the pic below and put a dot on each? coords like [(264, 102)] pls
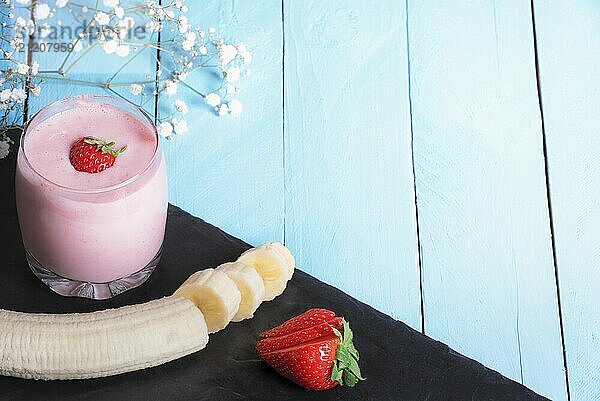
[(345, 369), (103, 146)]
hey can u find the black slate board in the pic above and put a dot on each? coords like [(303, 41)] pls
[(399, 363)]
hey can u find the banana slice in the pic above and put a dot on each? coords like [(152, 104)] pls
[(271, 265), (250, 285), (215, 294), (289, 258)]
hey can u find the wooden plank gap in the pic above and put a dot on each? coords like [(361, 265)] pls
[(549, 198), (156, 77), (29, 61), (283, 211), (412, 151)]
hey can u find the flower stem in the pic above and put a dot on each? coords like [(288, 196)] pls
[(192, 89), (78, 39), (76, 60), (127, 62)]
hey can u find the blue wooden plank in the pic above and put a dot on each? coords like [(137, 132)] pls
[(569, 60), (18, 55), (94, 66), (350, 208), (488, 279), (229, 170)]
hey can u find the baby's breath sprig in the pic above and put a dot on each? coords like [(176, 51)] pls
[(122, 29)]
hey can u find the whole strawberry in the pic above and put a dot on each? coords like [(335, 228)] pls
[(311, 351), (93, 155), (310, 318)]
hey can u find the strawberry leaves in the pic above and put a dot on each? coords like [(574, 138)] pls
[(345, 369), (103, 146)]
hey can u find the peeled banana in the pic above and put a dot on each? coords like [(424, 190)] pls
[(273, 266), (215, 294), (250, 285), (114, 341), (96, 344)]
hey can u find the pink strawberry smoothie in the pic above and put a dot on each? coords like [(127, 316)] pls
[(93, 227)]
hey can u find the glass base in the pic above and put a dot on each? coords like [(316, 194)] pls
[(73, 288)]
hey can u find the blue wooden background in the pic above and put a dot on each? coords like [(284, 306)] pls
[(438, 160)]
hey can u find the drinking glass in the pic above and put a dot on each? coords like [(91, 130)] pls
[(92, 243)]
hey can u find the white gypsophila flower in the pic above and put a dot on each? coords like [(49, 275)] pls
[(20, 23), (4, 147), (182, 24), (232, 74), (244, 53), (184, 8), (61, 3), (119, 12), (35, 90), (235, 107), (30, 27), (16, 41), (246, 57), (213, 99), (25, 2), (110, 3), (181, 106), (26, 25), (165, 129), (44, 30), (102, 18), (110, 46), (135, 89), (222, 109), (203, 50), (121, 32), (41, 11), (153, 26), (5, 95), (122, 51), (182, 76), (180, 126), (18, 95), (22, 68), (226, 54), (35, 67), (189, 41), (171, 87)]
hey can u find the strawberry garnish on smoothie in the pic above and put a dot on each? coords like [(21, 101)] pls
[(93, 155)]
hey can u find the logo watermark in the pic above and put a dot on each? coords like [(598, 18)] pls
[(64, 38)]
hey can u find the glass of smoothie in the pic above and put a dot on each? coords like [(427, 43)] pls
[(91, 193)]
